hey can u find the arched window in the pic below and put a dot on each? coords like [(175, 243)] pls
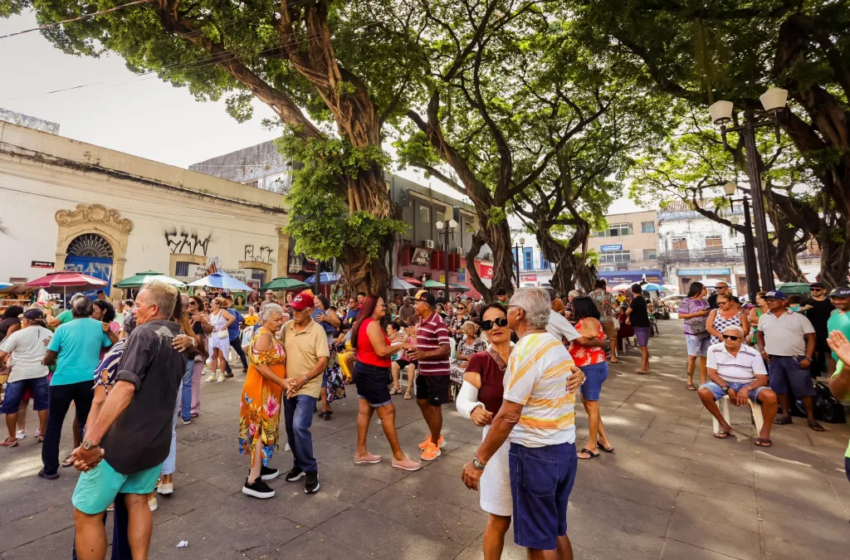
[(90, 245)]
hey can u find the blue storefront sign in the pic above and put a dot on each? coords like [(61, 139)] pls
[(704, 271), (610, 248), (633, 276)]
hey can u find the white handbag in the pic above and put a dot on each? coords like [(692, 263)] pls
[(222, 334)]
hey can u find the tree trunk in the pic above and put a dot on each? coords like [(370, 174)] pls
[(477, 243)]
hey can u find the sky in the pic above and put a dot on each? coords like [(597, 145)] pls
[(122, 111)]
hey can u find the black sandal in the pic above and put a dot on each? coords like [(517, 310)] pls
[(763, 442), (603, 448), (589, 452)]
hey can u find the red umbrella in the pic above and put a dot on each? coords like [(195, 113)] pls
[(56, 282)]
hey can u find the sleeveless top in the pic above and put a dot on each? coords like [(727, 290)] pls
[(365, 352), (588, 355), (721, 324)]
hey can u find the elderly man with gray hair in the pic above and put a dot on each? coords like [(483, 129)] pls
[(537, 416), (738, 371), (124, 447)]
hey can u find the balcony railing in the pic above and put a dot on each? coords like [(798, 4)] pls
[(710, 255)]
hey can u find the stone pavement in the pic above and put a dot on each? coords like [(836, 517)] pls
[(670, 490)]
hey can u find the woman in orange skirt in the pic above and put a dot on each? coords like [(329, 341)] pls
[(259, 414)]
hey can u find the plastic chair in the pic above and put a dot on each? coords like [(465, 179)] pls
[(723, 405)]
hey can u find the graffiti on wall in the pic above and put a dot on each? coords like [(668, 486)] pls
[(263, 254), (187, 243)]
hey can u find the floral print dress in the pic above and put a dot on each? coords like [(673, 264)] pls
[(259, 414)]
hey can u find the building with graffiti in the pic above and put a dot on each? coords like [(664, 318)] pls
[(67, 205)]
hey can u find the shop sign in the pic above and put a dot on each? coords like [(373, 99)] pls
[(610, 248), (43, 264), (486, 271)]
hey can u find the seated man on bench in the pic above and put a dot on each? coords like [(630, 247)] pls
[(738, 371)]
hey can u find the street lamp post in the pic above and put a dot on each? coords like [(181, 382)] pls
[(749, 246), (447, 229), (519, 249), (773, 102)]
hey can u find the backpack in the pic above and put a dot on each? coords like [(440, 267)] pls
[(827, 407)]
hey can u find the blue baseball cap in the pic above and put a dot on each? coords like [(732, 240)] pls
[(840, 291), (776, 294)]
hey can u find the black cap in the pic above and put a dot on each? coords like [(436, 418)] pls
[(427, 297), (814, 285), (840, 291), (34, 314)]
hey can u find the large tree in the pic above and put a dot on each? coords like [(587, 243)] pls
[(703, 51), (509, 87), (335, 72)]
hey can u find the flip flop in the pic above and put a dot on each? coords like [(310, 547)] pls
[(603, 448), (782, 421), (723, 435), (68, 462), (817, 427), (13, 442), (589, 452), (691, 387), (407, 396), (763, 442)]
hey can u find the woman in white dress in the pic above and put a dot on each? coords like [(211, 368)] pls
[(479, 400), (219, 339)]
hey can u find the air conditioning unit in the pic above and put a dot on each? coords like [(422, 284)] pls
[(430, 243), (459, 250), (488, 256)]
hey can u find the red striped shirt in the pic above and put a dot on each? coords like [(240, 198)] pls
[(431, 334)]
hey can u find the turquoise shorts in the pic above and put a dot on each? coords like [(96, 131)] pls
[(98, 488)]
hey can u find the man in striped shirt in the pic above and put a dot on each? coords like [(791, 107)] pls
[(537, 416), (432, 385), (737, 371)]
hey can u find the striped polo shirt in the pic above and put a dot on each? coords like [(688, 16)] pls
[(742, 368), (537, 379), (430, 335)]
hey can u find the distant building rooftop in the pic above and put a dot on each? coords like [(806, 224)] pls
[(30, 122)]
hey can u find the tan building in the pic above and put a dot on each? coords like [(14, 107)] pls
[(629, 242), (71, 205)]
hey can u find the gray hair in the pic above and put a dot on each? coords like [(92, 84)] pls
[(164, 296), (574, 293), (736, 328), (270, 309), (81, 306), (536, 303)]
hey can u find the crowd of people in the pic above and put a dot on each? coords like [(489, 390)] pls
[(511, 367)]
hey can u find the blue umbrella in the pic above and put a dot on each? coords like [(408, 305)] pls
[(222, 281), (325, 277), (5, 285), (653, 288)]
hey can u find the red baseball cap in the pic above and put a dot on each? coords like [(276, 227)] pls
[(302, 301)]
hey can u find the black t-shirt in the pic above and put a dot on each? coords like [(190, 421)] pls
[(140, 438), (639, 317), (198, 330), (818, 315)]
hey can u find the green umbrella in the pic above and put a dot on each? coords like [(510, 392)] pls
[(141, 278), (433, 284), (794, 288), (284, 283), (459, 288)]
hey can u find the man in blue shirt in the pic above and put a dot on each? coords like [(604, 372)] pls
[(75, 349), (235, 339)]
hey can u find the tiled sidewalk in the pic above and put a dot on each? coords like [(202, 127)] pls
[(670, 490)]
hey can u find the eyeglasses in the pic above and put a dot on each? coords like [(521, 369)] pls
[(730, 337), (488, 325), (817, 290)]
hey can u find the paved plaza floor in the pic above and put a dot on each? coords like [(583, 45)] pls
[(669, 491)]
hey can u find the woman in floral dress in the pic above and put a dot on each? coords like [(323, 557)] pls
[(259, 414)]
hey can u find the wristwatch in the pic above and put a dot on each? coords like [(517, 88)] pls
[(478, 464), (726, 389), (88, 446)]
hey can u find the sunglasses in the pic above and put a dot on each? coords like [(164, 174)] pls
[(488, 325), (730, 337)]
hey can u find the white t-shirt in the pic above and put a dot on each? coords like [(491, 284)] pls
[(537, 379), (560, 328), (27, 347), (742, 368)]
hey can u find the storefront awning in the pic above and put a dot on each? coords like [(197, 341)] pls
[(631, 276)]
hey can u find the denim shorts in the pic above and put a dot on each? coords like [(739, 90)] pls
[(719, 393), (642, 336), (99, 487), (15, 392), (541, 481), (698, 345), (372, 384), (595, 375), (785, 372)]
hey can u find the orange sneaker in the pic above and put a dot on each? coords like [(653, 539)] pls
[(430, 453), (427, 441)]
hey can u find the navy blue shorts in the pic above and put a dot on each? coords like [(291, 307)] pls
[(785, 372), (15, 391), (594, 376), (541, 481)]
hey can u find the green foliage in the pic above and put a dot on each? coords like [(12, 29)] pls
[(320, 220), (12, 7)]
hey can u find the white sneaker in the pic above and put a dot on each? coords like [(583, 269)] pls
[(21, 434), (210, 378), (220, 379), (165, 488), (152, 504)]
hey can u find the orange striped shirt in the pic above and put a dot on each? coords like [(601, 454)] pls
[(537, 378)]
